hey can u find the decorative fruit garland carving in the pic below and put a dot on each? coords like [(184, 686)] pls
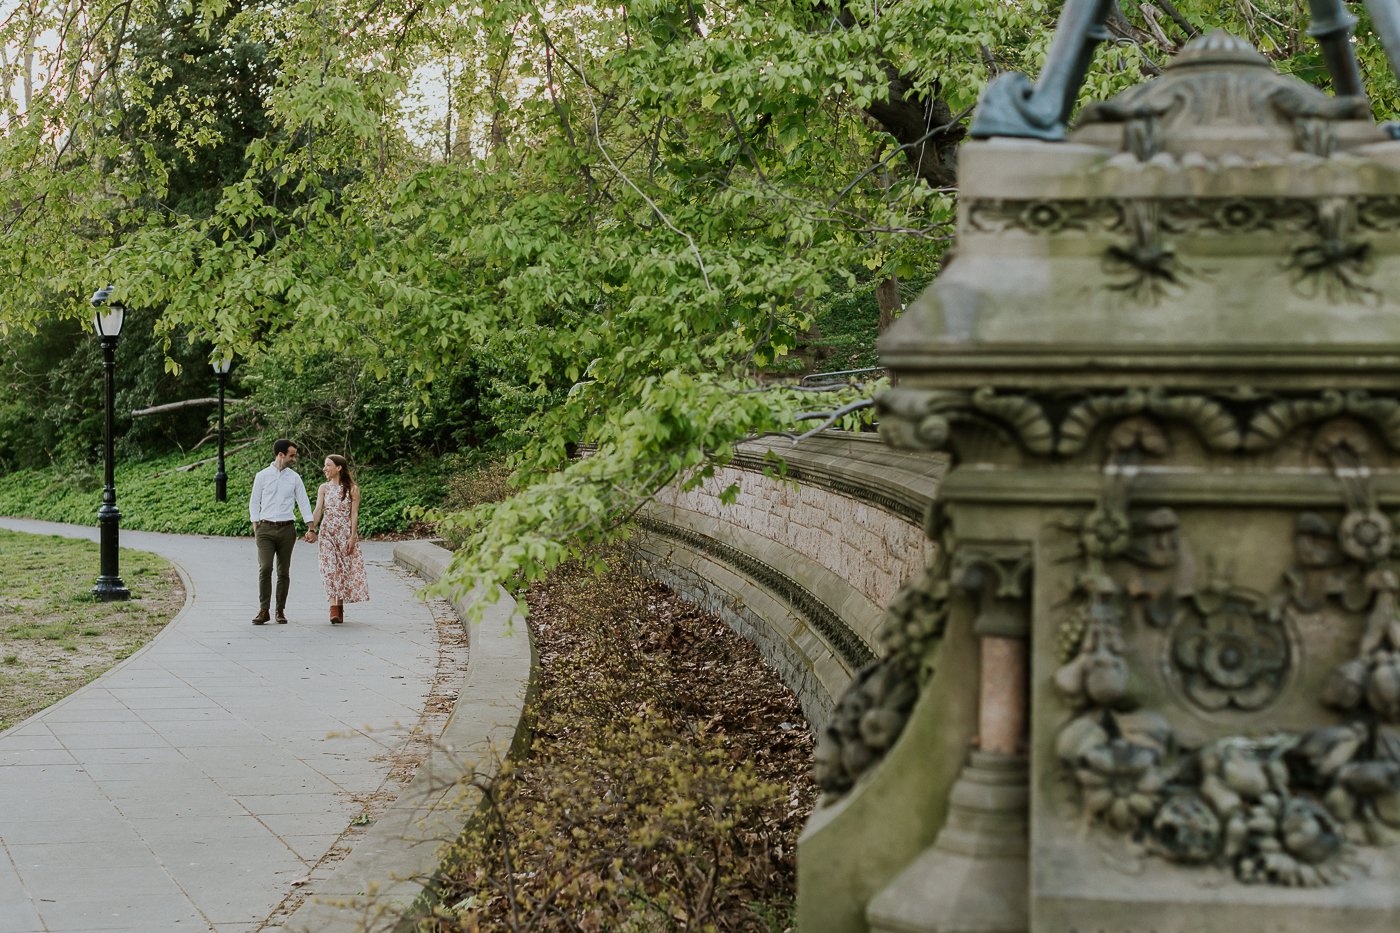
[(1281, 809)]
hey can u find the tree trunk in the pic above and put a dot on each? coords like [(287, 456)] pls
[(922, 123), (924, 128), (887, 296)]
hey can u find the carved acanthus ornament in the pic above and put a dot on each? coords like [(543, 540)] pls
[(1145, 266), (1218, 80), (873, 711), (1238, 421), (1335, 261)]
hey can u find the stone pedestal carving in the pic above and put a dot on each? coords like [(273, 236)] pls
[(1163, 364), (974, 878)]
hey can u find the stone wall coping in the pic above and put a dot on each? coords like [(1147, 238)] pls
[(861, 465), (390, 867)]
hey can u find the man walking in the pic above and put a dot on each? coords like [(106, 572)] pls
[(276, 490)]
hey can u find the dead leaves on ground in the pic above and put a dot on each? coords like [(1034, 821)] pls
[(666, 783)]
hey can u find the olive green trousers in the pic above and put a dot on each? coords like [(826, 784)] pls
[(274, 540)]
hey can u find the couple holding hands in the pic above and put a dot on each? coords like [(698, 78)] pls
[(334, 522)]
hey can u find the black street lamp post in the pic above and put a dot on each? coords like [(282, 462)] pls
[(107, 321), (221, 368)]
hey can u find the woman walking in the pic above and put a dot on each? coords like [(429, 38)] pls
[(342, 564)]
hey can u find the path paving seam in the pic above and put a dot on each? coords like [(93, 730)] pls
[(193, 783), (392, 869)]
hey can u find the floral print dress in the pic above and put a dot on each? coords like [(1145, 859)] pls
[(342, 569)]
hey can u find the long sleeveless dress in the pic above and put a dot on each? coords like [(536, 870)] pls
[(342, 569)]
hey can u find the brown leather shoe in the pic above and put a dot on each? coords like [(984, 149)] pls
[(337, 615), (281, 617), (261, 617)]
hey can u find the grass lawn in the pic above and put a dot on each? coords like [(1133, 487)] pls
[(54, 636)]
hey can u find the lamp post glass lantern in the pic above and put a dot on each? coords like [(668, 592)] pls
[(221, 364), (107, 320)]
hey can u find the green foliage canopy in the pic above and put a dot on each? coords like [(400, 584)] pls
[(622, 213)]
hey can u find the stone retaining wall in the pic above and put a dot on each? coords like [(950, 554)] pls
[(866, 546), (803, 563)]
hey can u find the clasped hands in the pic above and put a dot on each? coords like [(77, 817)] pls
[(310, 538)]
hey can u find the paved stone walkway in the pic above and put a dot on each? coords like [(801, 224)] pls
[(190, 786)]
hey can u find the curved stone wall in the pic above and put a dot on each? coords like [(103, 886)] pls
[(863, 544), (804, 561)]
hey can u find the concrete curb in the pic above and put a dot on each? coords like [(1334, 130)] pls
[(390, 868)]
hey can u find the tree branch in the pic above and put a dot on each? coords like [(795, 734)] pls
[(1176, 17), (920, 121), (828, 419), (923, 125), (187, 403)]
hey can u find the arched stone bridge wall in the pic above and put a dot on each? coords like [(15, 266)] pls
[(801, 564)]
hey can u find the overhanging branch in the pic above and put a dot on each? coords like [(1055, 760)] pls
[(187, 403)]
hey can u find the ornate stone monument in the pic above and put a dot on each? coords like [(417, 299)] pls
[(1152, 682)]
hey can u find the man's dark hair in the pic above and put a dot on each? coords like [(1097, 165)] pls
[(281, 446)]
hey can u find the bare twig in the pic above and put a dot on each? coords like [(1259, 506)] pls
[(828, 419), (1181, 21), (199, 463), (1152, 17), (951, 124)]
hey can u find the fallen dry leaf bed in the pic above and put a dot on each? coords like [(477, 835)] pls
[(665, 785)]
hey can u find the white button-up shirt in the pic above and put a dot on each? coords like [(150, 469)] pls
[(275, 492)]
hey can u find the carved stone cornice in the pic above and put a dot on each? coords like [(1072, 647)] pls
[(1239, 421), (1098, 217), (919, 419)]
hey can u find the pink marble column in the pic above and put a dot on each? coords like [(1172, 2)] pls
[(1002, 706)]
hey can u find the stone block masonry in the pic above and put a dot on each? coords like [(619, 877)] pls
[(805, 558)]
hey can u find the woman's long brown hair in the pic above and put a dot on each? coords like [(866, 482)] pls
[(345, 481)]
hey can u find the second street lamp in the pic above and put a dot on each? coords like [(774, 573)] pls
[(221, 367), (107, 321)]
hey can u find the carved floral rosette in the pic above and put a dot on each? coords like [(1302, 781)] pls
[(1282, 808)]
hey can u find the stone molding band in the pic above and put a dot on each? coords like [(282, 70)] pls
[(847, 645), (1239, 421), (1193, 216), (909, 508)]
